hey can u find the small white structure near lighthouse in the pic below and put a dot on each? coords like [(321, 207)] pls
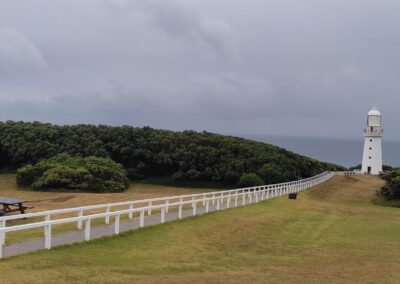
[(373, 133)]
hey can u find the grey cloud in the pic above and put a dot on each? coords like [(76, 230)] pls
[(18, 53), (257, 67), (179, 19)]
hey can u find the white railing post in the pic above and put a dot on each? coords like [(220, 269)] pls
[(228, 200), (107, 218), (207, 205), (204, 200), (117, 219), (236, 198), (218, 203), (47, 236), (244, 198), (163, 209), (180, 210), (1, 250), (149, 209), (166, 205), (141, 219), (130, 214), (213, 199), (79, 223), (2, 234), (87, 229), (46, 218), (194, 208)]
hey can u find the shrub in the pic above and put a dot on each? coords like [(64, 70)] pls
[(91, 174), (27, 175), (249, 180), (391, 190)]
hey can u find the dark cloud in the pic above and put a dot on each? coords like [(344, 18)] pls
[(251, 67)]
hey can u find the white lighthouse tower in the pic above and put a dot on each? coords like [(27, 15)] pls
[(372, 157)]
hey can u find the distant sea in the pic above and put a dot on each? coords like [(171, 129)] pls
[(343, 152)]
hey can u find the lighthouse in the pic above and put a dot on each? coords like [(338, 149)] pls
[(373, 133)]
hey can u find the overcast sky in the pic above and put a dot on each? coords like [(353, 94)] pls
[(285, 67)]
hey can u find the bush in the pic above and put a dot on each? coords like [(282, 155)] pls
[(249, 180), (91, 174), (391, 190)]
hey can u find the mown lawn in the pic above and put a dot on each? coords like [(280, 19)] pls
[(331, 234)]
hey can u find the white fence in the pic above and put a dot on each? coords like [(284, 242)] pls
[(163, 205)]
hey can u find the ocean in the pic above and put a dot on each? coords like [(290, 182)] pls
[(343, 152)]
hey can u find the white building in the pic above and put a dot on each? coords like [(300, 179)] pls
[(372, 157)]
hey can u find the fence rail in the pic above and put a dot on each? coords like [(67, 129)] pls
[(163, 204)]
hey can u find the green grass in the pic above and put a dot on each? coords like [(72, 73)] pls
[(331, 234)]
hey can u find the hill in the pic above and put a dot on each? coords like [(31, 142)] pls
[(146, 152), (330, 234)]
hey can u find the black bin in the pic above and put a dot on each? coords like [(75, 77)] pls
[(292, 195)]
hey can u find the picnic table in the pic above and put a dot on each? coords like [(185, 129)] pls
[(12, 205)]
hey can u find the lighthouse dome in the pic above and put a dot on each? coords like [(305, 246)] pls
[(374, 117), (374, 111)]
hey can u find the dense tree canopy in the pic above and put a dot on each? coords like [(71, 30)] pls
[(146, 152), (65, 172)]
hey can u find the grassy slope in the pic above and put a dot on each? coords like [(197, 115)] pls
[(332, 233)]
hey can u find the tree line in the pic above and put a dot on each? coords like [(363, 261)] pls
[(146, 152)]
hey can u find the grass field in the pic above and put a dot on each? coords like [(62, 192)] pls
[(43, 201), (331, 234), (55, 200)]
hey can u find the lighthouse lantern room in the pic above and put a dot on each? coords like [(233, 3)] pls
[(373, 133)]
